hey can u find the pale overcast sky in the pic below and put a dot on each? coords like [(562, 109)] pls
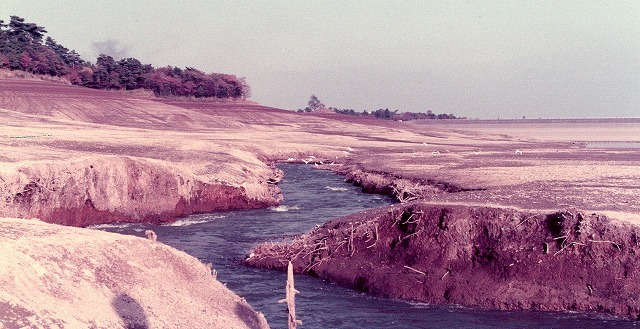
[(484, 59)]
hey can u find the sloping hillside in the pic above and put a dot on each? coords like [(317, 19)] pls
[(64, 277), (57, 131)]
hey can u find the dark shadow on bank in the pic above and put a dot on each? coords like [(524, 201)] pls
[(130, 311), (250, 317)]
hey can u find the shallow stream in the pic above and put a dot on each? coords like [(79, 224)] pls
[(313, 197)]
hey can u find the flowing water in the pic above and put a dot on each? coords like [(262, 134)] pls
[(313, 197)]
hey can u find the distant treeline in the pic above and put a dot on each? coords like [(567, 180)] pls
[(394, 115), (315, 104), (23, 47)]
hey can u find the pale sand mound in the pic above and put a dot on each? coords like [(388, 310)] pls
[(63, 277)]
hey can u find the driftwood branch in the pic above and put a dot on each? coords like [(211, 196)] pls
[(291, 298), (567, 246), (414, 270), (615, 244), (376, 236), (524, 220), (151, 235), (409, 235), (350, 246)]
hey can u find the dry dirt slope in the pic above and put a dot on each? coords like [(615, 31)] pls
[(78, 157), (62, 144), (75, 156), (62, 277), (52, 130)]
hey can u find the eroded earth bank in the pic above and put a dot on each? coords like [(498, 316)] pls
[(88, 191), (498, 258)]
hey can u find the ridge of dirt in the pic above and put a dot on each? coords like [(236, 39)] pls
[(116, 189), (393, 185), (499, 258)]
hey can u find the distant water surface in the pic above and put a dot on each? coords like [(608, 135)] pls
[(614, 145), (312, 197)]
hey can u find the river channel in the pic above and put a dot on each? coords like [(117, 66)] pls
[(313, 197)]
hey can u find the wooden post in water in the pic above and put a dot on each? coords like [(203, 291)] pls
[(291, 298)]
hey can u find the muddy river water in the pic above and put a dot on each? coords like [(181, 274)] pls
[(312, 197)]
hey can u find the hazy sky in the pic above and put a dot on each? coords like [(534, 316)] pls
[(483, 59)]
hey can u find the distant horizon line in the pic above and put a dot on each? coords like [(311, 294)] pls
[(489, 119)]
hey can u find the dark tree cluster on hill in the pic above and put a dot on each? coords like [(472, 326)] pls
[(22, 48), (394, 115), (379, 113), (312, 105), (406, 116), (315, 104)]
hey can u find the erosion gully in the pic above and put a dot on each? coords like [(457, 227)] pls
[(313, 197)]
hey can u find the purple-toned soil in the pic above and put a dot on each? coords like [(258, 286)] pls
[(474, 256)]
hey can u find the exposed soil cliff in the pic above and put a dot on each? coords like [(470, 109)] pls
[(475, 256), (112, 189), (65, 277)]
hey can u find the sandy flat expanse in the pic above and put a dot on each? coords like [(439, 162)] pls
[(569, 130), (532, 164)]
